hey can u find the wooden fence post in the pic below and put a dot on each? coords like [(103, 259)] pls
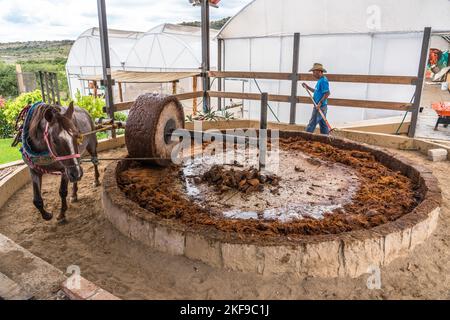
[(20, 83), (219, 68), (120, 91), (263, 131), (294, 78), (41, 80), (194, 89)]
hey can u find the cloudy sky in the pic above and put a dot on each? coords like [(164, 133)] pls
[(24, 20)]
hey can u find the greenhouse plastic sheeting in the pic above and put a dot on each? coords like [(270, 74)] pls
[(339, 34)]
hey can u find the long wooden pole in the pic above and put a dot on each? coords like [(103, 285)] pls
[(106, 62), (205, 55)]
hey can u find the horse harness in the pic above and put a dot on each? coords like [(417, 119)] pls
[(37, 160)]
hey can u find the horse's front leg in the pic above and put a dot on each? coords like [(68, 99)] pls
[(63, 194), (37, 198), (74, 197), (97, 174)]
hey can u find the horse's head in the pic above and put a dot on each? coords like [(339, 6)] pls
[(62, 138)]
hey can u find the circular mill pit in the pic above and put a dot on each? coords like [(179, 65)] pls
[(333, 208)]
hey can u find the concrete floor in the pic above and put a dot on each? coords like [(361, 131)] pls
[(428, 117)]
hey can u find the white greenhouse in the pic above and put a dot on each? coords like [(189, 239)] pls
[(367, 37), (169, 47), (85, 57), (165, 48)]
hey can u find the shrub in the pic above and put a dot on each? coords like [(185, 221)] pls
[(120, 116), (93, 105), (9, 110), (6, 129), (13, 107)]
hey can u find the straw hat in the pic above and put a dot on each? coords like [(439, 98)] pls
[(318, 66)]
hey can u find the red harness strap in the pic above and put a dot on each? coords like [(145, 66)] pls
[(52, 154)]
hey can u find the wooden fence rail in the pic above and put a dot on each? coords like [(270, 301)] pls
[(355, 78), (386, 105), (122, 106)]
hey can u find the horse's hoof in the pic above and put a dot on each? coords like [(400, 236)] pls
[(74, 199), (61, 220), (47, 216)]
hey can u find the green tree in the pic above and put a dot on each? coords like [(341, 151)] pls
[(8, 80)]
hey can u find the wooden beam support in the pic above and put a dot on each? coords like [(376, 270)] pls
[(247, 96), (251, 75), (387, 105), (294, 78), (96, 88), (355, 78), (188, 95), (194, 89), (120, 91), (262, 141), (174, 87), (421, 78), (121, 106), (219, 67)]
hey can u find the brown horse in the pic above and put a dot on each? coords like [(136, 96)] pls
[(56, 133)]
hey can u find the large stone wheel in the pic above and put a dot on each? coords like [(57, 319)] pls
[(151, 121)]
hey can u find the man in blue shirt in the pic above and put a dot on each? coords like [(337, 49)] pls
[(321, 94)]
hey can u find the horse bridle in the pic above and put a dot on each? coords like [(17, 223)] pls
[(53, 155)]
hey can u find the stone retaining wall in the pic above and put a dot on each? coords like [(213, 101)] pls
[(347, 254)]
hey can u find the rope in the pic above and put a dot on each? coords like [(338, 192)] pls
[(270, 108), (404, 117), (118, 159)]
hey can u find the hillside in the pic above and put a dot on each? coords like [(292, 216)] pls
[(33, 56), (217, 24), (13, 52)]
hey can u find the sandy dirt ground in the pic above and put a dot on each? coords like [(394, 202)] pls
[(131, 271)]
